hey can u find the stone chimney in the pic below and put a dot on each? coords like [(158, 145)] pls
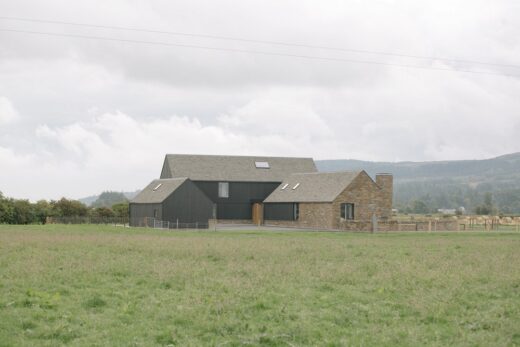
[(386, 182)]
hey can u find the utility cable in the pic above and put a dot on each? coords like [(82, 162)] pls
[(279, 43), (308, 57)]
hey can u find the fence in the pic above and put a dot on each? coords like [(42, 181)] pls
[(494, 223), (149, 222), (401, 225), (87, 220), (146, 222)]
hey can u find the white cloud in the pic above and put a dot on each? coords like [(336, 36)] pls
[(274, 114), (122, 152), (116, 151), (198, 101), (7, 111)]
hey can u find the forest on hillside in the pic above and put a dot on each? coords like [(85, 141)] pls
[(424, 187)]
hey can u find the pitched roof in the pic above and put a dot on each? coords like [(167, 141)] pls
[(233, 168), (312, 187), (158, 190)]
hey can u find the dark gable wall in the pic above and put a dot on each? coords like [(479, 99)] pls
[(241, 197), (187, 204), (139, 211)]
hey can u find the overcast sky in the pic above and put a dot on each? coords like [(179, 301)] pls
[(79, 116)]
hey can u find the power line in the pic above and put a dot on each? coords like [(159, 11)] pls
[(308, 57), (279, 43)]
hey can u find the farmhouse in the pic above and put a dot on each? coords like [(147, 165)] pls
[(247, 189)]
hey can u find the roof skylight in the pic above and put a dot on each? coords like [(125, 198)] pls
[(296, 186), (285, 186), (262, 165), (157, 187)]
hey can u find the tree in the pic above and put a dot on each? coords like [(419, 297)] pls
[(42, 210), (107, 199), (488, 200), (6, 210), (69, 208), (121, 210), (418, 206), (23, 212), (487, 207), (104, 212)]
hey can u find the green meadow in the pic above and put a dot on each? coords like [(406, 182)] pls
[(109, 286)]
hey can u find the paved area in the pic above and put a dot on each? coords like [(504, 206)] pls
[(255, 227)]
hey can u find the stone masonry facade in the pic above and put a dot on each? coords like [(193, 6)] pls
[(367, 196), (368, 199), (316, 215)]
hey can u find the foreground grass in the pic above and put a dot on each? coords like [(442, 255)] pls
[(105, 286)]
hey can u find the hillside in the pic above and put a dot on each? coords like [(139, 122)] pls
[(91, 200), (446, 184)]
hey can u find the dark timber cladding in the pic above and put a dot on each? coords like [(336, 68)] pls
[(173, 200), (279, 211), (242, 195)]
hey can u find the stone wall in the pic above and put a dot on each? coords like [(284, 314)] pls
[(368, 199), (386, 183), (312, 215), (382, 226), (393, 225)]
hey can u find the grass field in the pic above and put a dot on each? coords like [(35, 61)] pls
[(107, 286)]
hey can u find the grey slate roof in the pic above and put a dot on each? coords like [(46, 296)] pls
[(233, 168), (313, 187), (149, 196)]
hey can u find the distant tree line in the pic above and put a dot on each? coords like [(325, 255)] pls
[(20, 211), (428, 198)]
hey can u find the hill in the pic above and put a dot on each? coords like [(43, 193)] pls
[(446, 184), (104, 200)]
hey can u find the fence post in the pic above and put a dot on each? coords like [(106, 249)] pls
[(197, 225), (177, 223)]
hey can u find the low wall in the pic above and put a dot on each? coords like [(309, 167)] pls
[(393, 225), (234, 221), (382, 226), (294, 224)]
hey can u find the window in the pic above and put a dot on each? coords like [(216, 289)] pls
[(296, 211), (223, 189), (347, 211), (285, 186), (155, 213), (157, 187), (296, 186), (261, 164)]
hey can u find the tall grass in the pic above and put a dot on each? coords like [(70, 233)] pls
[(106, 286)]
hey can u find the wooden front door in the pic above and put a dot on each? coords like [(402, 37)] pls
[(258, 213)]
